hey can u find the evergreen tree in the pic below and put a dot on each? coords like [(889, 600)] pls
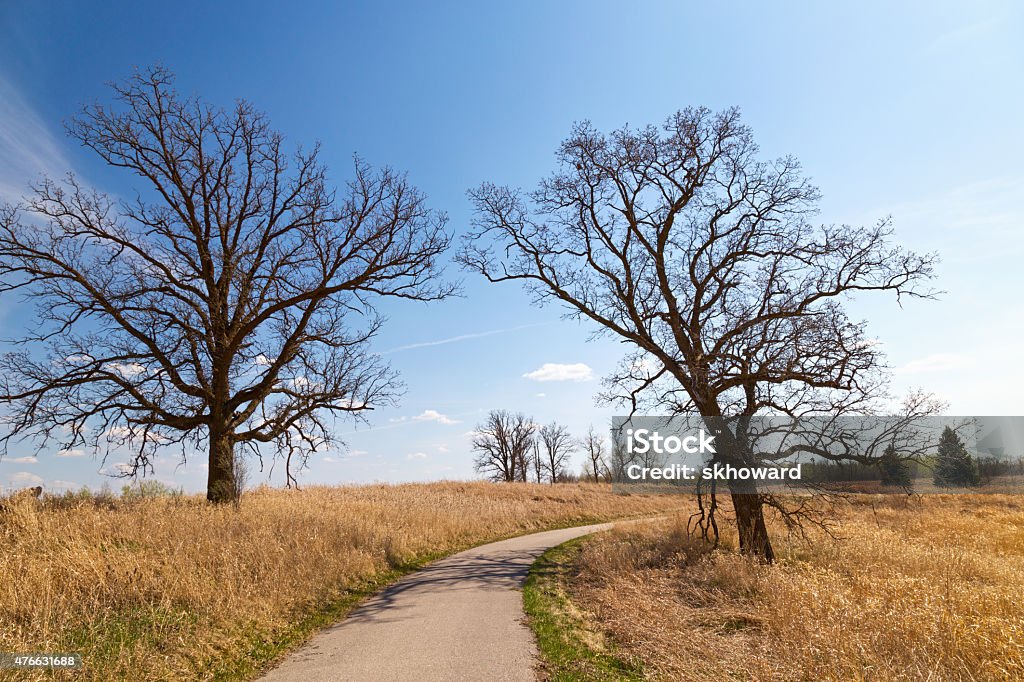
[(954, 466), (895, 469)]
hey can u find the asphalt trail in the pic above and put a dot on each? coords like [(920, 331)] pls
[(460, 618)]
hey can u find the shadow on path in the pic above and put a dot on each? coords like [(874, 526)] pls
[(505, 570)]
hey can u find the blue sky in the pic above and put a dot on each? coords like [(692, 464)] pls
[(908, 109)]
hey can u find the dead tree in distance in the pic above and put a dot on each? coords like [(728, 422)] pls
[(558, 446), (503, 444)]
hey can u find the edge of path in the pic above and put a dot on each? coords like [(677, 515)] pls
[(565, 637)]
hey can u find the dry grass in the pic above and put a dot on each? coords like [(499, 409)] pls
[(171, 588), (922, 589)]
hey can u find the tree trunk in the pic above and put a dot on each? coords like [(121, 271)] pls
[(220, 485), (754, 540)]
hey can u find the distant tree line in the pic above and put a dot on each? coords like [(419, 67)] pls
[(952, 466), (513, 447)]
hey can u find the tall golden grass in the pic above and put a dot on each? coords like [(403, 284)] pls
[(930, 588), (172, 588)]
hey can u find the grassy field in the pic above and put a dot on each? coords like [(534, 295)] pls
[(171, 588), (925, 588)]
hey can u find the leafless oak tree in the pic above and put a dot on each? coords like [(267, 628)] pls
[(227, 303), (503, 444), (682, 243), (558, 445)]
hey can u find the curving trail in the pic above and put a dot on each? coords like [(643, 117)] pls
[(460, 618)]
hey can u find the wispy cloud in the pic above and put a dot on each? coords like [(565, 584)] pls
[(28, 147), (964, 35), (117, 469), (465, 337), (967, 223), (416, 455), (553, 371), (63, 485), (937, 362), (24, 478), (24, 460), (348, 454)]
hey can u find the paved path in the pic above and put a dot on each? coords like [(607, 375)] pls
[(460, 618)]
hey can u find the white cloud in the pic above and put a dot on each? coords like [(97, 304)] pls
[(78, 359), (553, 371), (24, 478), (262, 360), (71, 453), (541, 395), (116, 434), (644, 366), (126, 369), (24, 460), (937, 362), (442, 448), (434, 416), (416, 455)]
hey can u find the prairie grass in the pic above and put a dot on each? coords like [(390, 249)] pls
[(169, 587), (928, 588)]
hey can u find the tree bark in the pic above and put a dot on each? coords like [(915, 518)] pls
[(754, 540), (220, 485)]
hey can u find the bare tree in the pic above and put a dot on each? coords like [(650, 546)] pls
[(619, 459), (558, 445), (680, 242), (503, 444), (538, 464), (593, 445), (227, 303)]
